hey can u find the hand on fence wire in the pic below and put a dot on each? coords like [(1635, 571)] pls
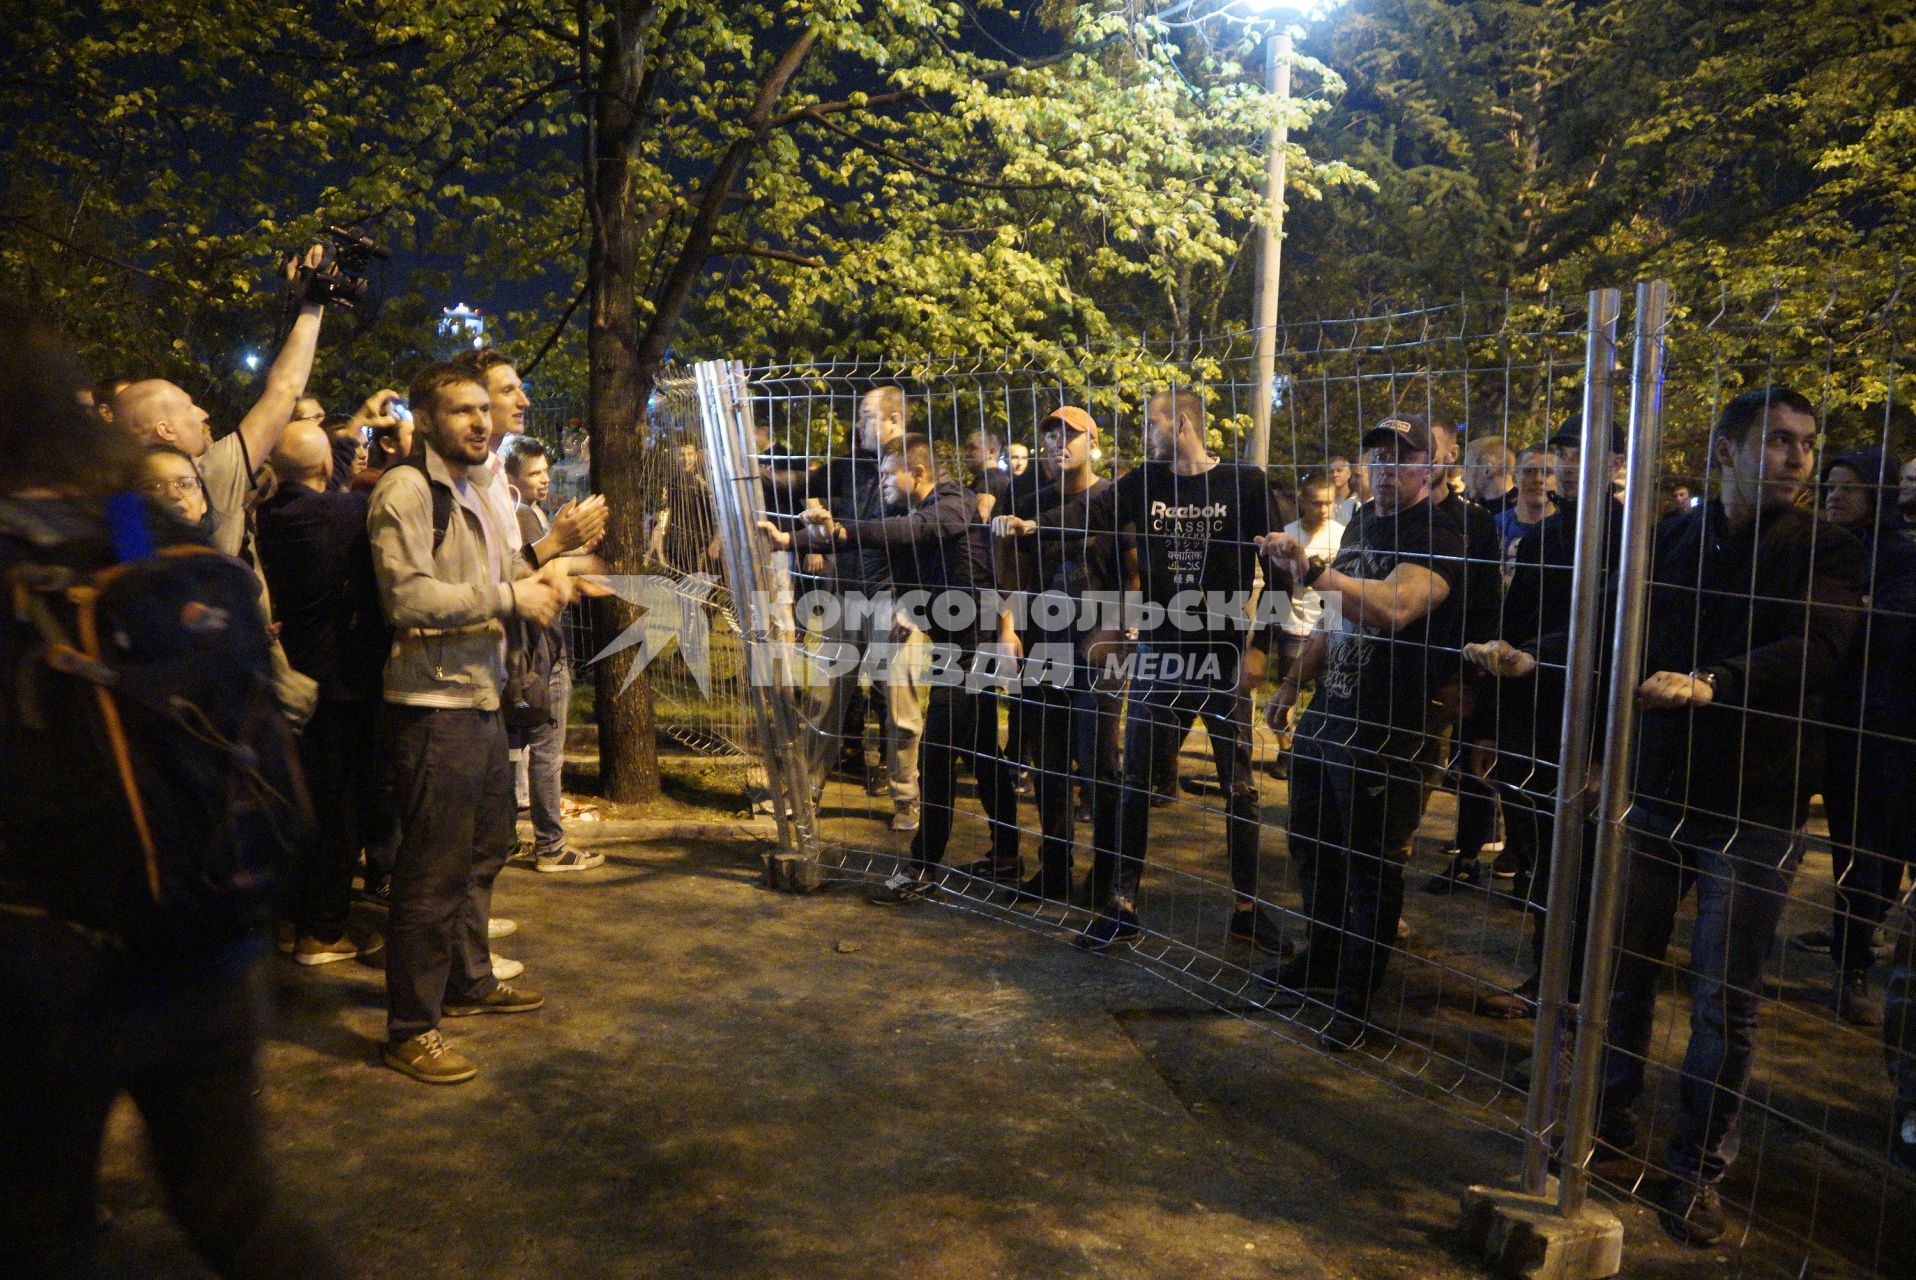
[(1665, 690), (779, 539), (1501, 659), (1012, 527), (1283, 701), (1287, 551)]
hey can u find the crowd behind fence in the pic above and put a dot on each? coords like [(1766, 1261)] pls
[(1372, 874)]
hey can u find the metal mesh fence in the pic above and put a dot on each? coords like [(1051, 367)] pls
[(1367, 876)]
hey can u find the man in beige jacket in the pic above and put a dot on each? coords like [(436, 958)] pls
[(451, 571)]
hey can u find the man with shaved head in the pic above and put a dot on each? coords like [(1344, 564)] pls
[(159, 412), (317, 558)]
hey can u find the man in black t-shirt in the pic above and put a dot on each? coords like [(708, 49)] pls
[(1197, 522), (1062, 704), (1363, 754)]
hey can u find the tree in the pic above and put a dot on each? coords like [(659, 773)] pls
[(809, 178)]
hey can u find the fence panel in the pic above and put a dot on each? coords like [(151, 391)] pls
[(1417, 843)]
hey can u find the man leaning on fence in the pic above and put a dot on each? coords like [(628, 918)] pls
[(1752, 602), (1365, 751)]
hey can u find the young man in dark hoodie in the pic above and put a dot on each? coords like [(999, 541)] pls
[(933, 563), (1867, 782), (1752, 608)]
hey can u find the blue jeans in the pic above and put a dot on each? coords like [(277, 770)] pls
[(1742, 877)]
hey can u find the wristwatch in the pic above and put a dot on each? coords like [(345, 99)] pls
[(1317, 566)]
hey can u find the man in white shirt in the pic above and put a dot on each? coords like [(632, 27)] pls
[(1320, 534)]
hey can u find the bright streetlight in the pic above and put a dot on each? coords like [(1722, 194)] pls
[(1284, 14)]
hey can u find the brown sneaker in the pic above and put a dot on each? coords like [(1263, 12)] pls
[(502, 999), (426, 1057)]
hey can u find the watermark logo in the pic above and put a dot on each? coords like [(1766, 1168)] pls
[(671, 610)]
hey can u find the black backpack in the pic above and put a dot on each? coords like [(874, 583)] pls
[(154, 791)]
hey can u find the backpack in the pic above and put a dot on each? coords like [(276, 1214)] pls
[(154, 790)]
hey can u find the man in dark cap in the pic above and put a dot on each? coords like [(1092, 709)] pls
[(1364, 750)]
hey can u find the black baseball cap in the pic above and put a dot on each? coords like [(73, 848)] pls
[(1571, 433), (1401, 432)]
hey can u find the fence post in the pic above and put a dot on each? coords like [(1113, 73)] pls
[(1580, 684), (1525, 1232), (725, 416), (1633, 589)]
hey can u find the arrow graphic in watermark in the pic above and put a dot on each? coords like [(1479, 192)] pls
[(670, 610)]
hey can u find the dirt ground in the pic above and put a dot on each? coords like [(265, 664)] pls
[(729, 1081)]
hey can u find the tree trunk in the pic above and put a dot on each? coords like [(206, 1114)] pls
[(628, 738)]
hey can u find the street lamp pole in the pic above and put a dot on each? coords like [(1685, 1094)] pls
[(1277, 81)]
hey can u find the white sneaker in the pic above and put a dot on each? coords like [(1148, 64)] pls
[(506, 970), (500, 927), (905, 816)]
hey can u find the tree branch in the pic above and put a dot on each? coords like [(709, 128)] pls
[(733, 249), (983, 184)]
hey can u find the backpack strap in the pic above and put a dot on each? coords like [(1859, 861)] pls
[(442, 500)]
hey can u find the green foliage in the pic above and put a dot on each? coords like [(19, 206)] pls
[(919, 188)]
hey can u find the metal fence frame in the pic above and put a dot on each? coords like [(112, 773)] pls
[(1561, 1103)]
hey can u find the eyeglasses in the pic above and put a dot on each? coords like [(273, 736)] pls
[(170, 488)]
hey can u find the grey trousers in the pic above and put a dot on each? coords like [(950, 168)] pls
[(452, 793), (544, 763)]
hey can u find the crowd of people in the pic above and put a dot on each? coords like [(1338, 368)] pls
[(405, 570), (1403, 616), (1420, 633)]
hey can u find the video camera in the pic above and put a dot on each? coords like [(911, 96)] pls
[(343, 276)]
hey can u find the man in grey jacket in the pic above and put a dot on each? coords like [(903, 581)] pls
[(447, 553)]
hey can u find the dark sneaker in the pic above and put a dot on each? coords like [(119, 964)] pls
[(903, 890), (1508, 865), (1690, 1212), (1279, 767), (878, 783), (1083, 812), (991, 869), (1818, 942), (1113, 927), (501, 999), (1038, 889), (1518, 1002), (569, 860), (1618, 1129), (1458, 873), (1296, 984), (1344, 1033), (426, 1057), (1854, 1004), (378, 896), (1255, 926)]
